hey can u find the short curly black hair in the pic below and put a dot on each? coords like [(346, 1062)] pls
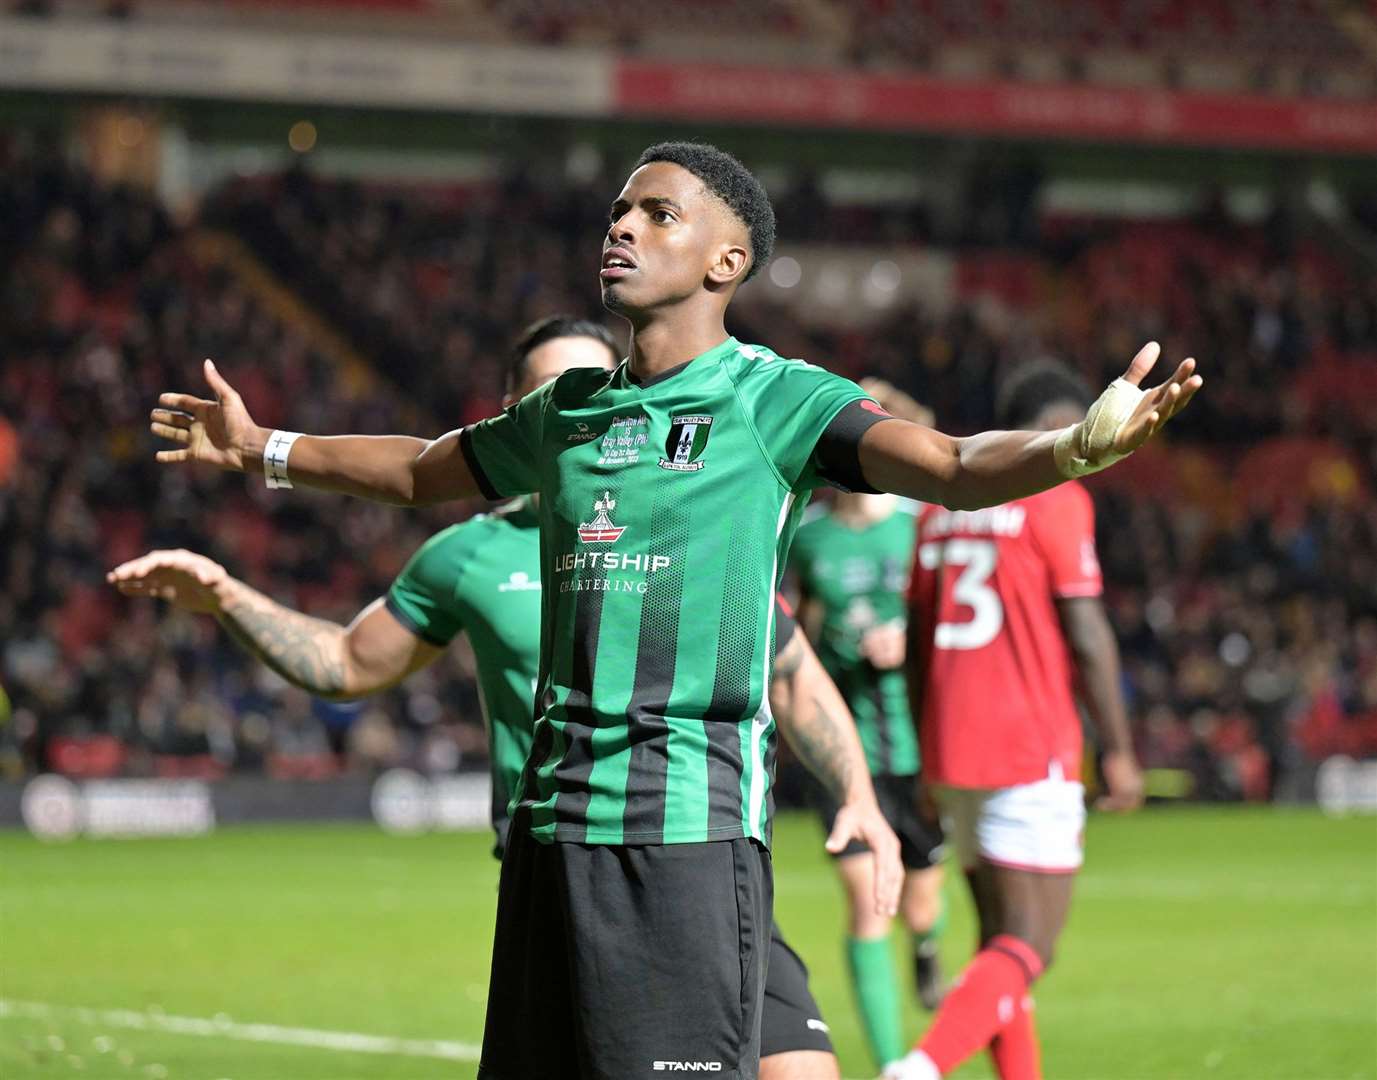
[(730, 181), (1032, 387)]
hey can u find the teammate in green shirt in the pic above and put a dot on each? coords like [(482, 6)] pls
[(851, 561), (636, 889)]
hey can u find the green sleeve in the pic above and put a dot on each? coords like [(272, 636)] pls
[(504, 452), (423, 597), (792, 408), (801, 558)]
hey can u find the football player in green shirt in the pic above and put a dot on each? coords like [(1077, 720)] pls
[(482, 578), (636, 891)]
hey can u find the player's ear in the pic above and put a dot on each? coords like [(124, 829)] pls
[(730, 265)]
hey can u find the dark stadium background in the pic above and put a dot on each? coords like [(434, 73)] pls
[(352, 205)]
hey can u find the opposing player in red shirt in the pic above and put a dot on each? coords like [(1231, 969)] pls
[(1006, 630)]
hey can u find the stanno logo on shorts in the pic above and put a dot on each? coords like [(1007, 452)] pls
[(688, 437), (687, 1066), (601, 530)]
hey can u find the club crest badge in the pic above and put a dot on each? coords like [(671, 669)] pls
[(688, 438), (602, 529)]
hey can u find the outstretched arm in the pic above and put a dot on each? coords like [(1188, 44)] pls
[(1096, 653), (395, 469), (997, 466), (815, 721), (373, 652)]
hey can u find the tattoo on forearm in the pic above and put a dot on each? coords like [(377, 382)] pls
[(296, 646), (820, 743)]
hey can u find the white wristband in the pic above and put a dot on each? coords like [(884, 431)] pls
[(1087, 447), (275, 453)]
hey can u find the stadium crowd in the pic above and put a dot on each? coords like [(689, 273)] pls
[(1241, 559), (105, 304)]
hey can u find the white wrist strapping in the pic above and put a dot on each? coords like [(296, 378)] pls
[(1088, 447), (275, 453)]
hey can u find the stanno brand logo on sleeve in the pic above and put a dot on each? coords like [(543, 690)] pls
[(602, 529), (687, 1066), (688, 437)]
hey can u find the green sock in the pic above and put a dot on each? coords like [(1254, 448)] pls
[(933, 932), (876, 986)]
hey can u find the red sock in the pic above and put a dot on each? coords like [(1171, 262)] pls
[(984, 1001), (1015, 1049)]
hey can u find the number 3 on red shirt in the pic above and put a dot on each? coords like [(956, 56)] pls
[(977, 560)]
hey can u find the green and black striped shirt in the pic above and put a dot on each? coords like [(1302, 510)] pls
[(666, 513)]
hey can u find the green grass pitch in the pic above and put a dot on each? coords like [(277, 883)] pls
[(1203, 943)]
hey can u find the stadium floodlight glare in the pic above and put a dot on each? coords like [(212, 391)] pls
[(785, 272), (302, 137), (885, 275), (834, 285)]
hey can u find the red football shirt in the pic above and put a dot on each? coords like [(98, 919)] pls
[(998, 707)]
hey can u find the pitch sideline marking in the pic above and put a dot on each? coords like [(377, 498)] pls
[(225, 1028), (228, 1029)]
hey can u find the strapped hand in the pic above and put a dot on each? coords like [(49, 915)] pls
[(215, 432), (1125, 416), (180, 577)]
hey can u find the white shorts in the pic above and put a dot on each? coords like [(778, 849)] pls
[(1038, 826)]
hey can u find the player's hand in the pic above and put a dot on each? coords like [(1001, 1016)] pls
[(883, 645), (180, 577), (1159, 404), (219, 432), (1123, 781), (865, 822)]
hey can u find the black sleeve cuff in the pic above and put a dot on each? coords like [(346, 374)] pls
[(471, 459), (411, 624), (838, 451)]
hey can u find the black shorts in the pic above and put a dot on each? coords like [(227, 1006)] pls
[(616, 963), (920, 842), (791, 1019)]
